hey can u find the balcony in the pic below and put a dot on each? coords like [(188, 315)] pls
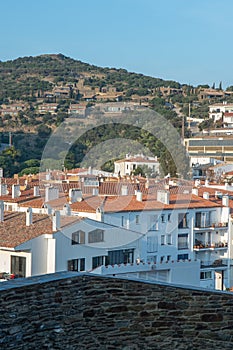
[(215, 264), (210, 246), (211, 226)]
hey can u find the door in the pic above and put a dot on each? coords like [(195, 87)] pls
[(218, 280)]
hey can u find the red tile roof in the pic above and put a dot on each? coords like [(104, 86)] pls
[(13, 230), (130, 203)]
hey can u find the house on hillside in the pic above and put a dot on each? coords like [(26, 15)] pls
[(130, 163)]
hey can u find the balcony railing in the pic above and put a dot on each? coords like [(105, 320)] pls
[(208, 225), (215, 245), (214, 263)]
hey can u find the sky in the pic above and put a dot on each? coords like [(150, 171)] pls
[(189, 41)]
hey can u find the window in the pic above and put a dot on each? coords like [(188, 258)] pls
[(137, 219), (183, 241), (182, 257), (97, 261), (169, 217), (163, 218), (96, 236), (168, 257), (120, 257), (162, 259), (18, 265), (182, 220), (153, 222), (169, 239), (205, 275), (76, 265), (202, 219), (162, 239), (78, 237), (152, 244), (123, 221)]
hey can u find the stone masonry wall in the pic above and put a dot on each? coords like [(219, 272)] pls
[(79, 311)]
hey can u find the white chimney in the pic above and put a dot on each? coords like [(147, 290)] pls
[(36, 191), (225, 201), (206, 183), (206, 195), (95, 192), (124, 190), (3, 189), (139, 196), (48, 207), (16, 191), (75, 195), (56, 221), (29, 216), (1, 211), (99, 214), (51, 193), (1, 172), (195, 191), (67, 209), (163, 196), (48, 176)]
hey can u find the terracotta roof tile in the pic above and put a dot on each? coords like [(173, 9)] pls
[(13, 230)]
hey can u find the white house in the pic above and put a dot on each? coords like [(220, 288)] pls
[(217, 111), (34, 244), (130, 163)]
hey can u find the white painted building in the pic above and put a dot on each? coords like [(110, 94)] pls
[(217, 111), (131, 163), (178, 228)]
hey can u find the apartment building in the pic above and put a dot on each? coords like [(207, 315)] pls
[(179, 228)]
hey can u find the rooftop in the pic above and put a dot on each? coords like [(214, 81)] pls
[(13, 230)]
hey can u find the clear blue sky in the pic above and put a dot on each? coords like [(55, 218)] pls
[(189, 41)]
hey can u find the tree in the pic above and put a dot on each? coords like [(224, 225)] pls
[(44, 131), (220, 86)]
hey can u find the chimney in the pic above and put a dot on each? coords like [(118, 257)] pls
[(75, 195), (225, 201), (1, 211), (1, 172), (48, 207), (3, 189), (195, 191), (139, 196), (36, 191), (56, 221), (29, 216), (51, 193), (67, 209), (16, 191), (99, 214), (95, 192), (163, 196), (124, 190), (206, 195), (206, 183)]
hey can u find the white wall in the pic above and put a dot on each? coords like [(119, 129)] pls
[(5, 260)]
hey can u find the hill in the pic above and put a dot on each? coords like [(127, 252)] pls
[(38, 93)]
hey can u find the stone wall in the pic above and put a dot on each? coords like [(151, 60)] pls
[(79, 311)]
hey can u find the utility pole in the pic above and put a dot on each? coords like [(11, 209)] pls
[(183, 127), (10, 139)]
